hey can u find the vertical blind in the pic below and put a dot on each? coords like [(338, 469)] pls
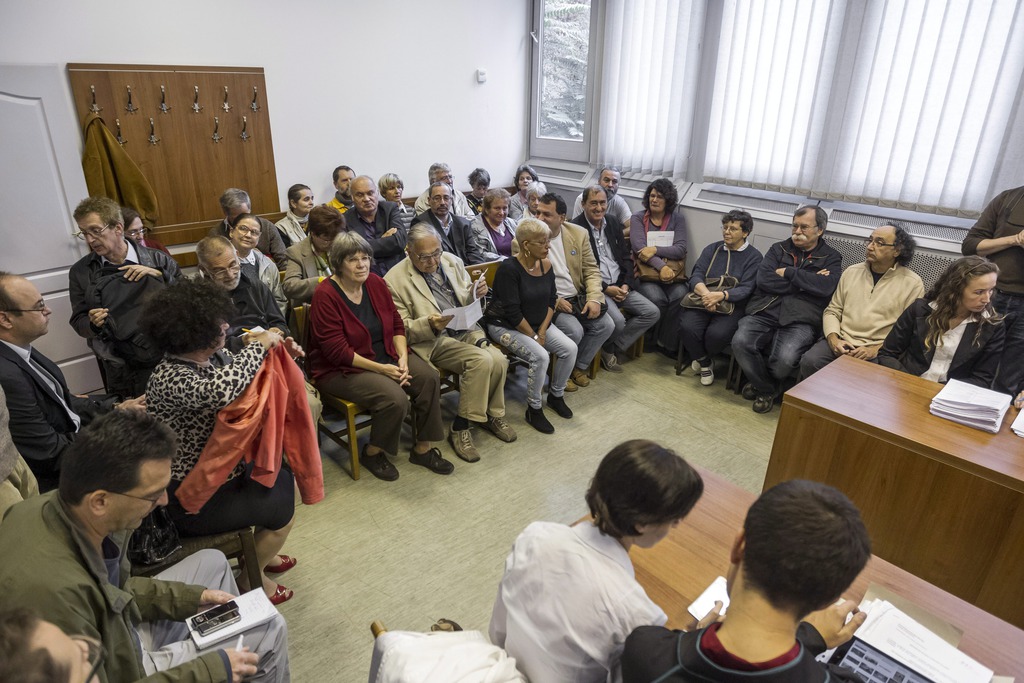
[(913, 104), (649, 78)]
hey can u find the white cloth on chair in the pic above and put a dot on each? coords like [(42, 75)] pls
[(439, 657)]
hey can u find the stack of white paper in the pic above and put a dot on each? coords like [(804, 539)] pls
[(970, 405)]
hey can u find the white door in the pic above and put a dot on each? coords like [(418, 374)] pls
[(41, 182)]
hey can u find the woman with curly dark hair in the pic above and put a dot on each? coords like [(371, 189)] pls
[(657, 235), (569, 598), (525, 176), (953, 332), (196, 379)]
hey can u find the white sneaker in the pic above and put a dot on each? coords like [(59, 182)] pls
[(707, 376), (695, 366)]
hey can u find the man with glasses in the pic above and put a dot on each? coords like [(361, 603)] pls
[(423, 285), (456, 232), (126, 366), (44, 415), (32, 649), (618, 209), (615, 261), (441, 172), (379, 222), (795, 281), (71, 565), (869, 299), (254, 302)]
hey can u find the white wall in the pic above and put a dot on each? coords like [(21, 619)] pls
[(379, 85)]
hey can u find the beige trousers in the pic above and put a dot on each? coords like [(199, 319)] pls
[(481, 374)]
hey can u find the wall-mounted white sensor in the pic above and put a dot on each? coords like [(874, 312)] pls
[(481, 75)]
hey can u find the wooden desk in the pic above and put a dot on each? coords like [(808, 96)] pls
[(941, 500), (678, 569)]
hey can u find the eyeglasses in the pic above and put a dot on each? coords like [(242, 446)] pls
[(427, 258), (247, 231), (138, 233), (547, 241), (93, 651), (149, 499), (878, 242), (804, 228), (38, 308), (95, 234), (231, 270), (731, 228)]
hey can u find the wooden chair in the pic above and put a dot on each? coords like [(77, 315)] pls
[(240, 545), (489, 269), (346, 436)]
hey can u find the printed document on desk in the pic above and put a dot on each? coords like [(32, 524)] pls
[(895, 634), (970, 405)]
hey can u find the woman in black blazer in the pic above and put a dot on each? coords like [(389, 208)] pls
[(953, 332)]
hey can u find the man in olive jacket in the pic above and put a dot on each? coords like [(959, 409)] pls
[(64, 556)]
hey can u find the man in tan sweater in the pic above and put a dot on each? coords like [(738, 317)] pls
[(869, 299)]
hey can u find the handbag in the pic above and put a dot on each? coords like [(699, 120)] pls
[(155, 539), (578, 303), (646, 273), (719, 283)]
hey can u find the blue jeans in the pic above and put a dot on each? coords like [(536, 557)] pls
[(768, 352), (643, 315), (1011, 368), (589, 335), (537, 358)]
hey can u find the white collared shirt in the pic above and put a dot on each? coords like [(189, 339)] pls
[(566, 603), (946, 349), (564, 285), (132, 255), (610, 268)]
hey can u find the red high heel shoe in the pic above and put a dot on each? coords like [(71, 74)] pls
[(287, 562), (282, 594)]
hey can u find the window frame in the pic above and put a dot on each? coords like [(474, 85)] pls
[(551, 148)]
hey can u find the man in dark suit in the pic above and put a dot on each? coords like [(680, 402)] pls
[(44, 415), (379, 222), (614, 260), (455, 231)]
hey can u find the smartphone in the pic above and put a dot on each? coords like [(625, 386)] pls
[(706, 602), (214, 619)]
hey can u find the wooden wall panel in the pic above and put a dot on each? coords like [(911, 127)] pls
[(187, 169)]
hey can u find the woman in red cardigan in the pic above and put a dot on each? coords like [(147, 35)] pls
[(357, 352)]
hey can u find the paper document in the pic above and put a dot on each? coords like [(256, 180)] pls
[(897, 635), (661, 238), (1018, 424), (466, 316), (254, 607), (970, 405), (703, 605)]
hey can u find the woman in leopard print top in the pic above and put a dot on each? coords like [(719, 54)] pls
[(194, 381)]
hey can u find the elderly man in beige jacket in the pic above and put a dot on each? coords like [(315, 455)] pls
[(867, 302), (428, 281)]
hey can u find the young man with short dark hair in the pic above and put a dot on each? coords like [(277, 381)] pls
[(802, 544)]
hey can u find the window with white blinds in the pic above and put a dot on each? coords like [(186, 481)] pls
[(912, 104)]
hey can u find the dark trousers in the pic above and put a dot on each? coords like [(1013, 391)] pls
[(388, 402), (1010, 379), (705, 335), (768, 352)]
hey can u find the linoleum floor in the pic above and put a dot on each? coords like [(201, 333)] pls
[(427, 546)]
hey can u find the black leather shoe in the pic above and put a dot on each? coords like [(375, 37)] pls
[(557, 404), (536, 419), (378, 465), (749, 392), (432, 460)]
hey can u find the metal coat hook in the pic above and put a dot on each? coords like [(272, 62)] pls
[(217, 137), (130, 107), (196, 107), (120, 139), (226, 107), (163, 101), (245, 136), (153, 139), (255, 106), (94, 108)]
